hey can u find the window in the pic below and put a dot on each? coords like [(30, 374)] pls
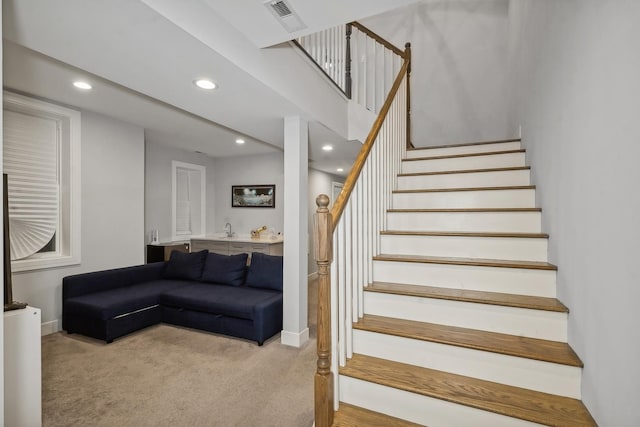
[(41, 157), (188, 200)]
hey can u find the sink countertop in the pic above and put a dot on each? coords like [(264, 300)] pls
[(242, 238)]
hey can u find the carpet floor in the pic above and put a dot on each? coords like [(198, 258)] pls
[(171, 376)]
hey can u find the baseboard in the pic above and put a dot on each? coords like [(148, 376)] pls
[(47, 328), (294, 339), (312, 275)]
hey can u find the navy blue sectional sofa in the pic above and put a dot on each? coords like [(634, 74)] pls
[(202, 290)]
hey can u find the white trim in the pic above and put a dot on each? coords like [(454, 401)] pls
[(203, 200), (294, 339), (70, 181), (334, 187), (48, 328)]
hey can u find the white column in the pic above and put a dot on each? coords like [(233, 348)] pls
[(296, 165)]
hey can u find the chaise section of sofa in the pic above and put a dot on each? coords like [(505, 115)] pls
[(202, 290), (109, 304)]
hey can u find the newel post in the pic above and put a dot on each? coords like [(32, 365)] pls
[(407, 56), (347, 68), (323, 381)]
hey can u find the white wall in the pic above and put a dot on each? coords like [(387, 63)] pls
[(112, 213), (319, 183), (576, 93), (157, 201), (1, 249), (248, 170), (458, 79)]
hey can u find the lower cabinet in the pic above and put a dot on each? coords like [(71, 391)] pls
[(235, 247), (162, 251)]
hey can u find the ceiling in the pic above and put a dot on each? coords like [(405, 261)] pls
[(142, 66), (255, 20)]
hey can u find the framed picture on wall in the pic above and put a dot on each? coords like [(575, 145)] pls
[(253, 196)]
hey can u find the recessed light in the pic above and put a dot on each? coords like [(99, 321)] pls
[(327, 147), (339, 170), (240, 141), (205, 84), (82, 85)]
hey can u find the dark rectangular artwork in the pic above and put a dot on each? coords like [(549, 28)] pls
[(253, 196)]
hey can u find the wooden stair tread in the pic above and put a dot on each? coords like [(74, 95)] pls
[(537, 407), (464, 234), (464, 210), (447, 190), (455, 156), (355, 416), (480, 262), (515, 168), (466, 144), (494, 342), (465, 295)]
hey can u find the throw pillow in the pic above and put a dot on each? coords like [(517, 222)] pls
[(187, 266), (225, 269), (265, 272)]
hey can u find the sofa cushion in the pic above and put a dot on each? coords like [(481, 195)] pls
[(265, 272), (234, 301), (225, 269), (106, 305), (186, 266)]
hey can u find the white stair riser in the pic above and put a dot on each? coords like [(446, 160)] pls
[(465, 180), (469, 149), (464, 163), (419, 409), (528, 249), (518, 222), (491, 279), (548, 325), (531, 374), (466, 199)]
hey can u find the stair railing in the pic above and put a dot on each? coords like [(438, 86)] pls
[(360, 62), (347, 238)]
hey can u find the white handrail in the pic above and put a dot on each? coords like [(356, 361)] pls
[(357, 232)]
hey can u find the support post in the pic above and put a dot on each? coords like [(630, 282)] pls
[(296, 231), (323, 381), (407, 56), (347, 79)]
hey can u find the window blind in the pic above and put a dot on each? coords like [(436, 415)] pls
[(31, 153)]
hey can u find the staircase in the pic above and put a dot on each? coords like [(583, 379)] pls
[(461, 326)]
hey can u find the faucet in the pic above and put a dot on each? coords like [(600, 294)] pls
[(229, 233)]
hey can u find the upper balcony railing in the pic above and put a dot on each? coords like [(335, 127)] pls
[(360, 62)]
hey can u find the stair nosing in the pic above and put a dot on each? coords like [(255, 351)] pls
[(459, 388), (455, 189), (467, 295), (462, 171), (466, 144), (345, 409), (456, 156), (478, 262), (573, 360), (465, 234)]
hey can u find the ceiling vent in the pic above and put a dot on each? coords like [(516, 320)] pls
[(283, 12)]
